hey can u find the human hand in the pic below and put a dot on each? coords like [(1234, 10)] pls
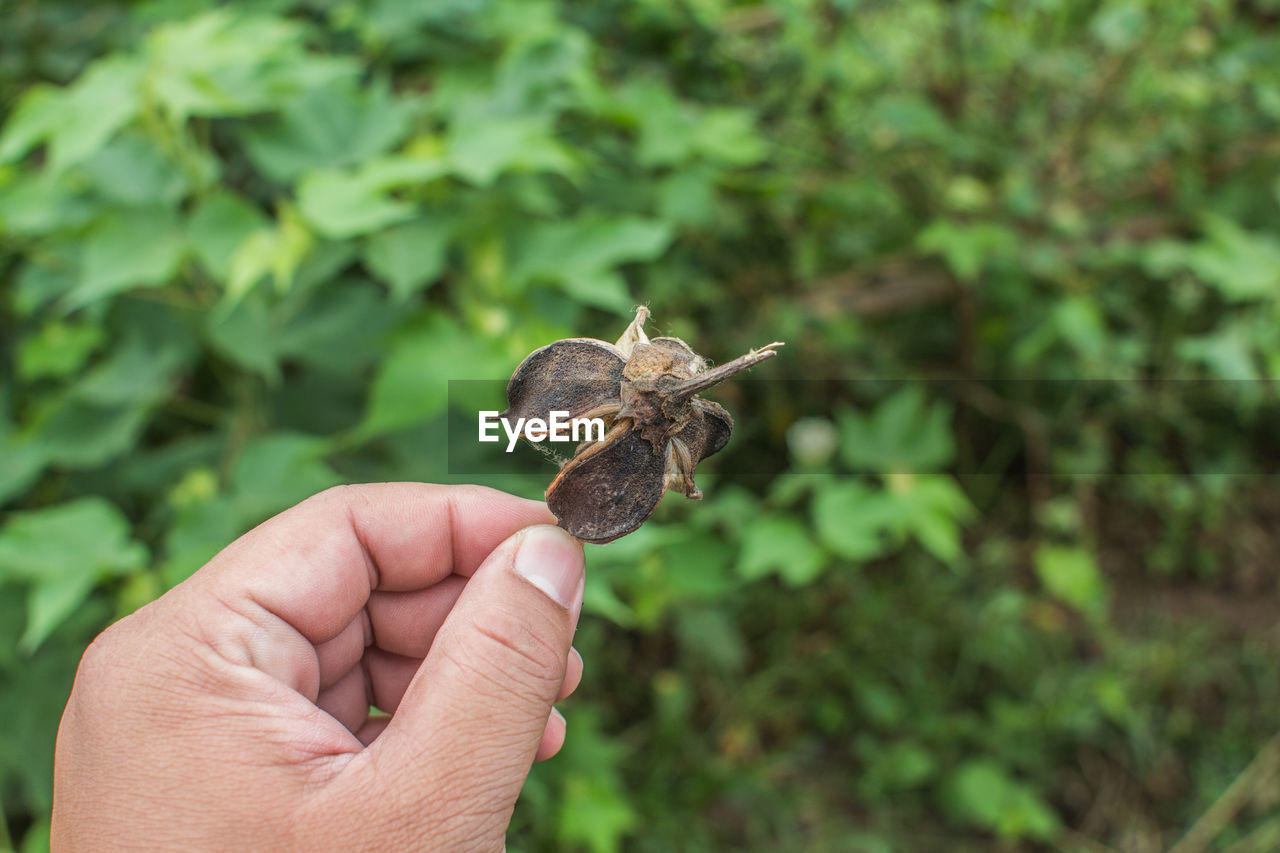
[(233, 712)]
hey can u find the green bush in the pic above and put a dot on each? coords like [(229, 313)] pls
[(990, 558)]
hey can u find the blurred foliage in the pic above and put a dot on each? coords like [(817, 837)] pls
[(1026, 599)]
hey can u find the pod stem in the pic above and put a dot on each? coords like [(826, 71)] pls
[(716, 375)]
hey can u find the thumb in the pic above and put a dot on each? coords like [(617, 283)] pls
[(466, 732)]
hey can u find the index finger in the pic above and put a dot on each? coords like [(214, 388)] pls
[(314, 565)]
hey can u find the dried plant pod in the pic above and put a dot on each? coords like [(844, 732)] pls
[(659, 429)]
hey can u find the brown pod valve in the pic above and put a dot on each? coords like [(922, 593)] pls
[(658, 430)]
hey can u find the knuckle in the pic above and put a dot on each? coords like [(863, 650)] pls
[(100, 654), (477, 492), (342, 494), (508, 643), (97, 675), (100, 649)]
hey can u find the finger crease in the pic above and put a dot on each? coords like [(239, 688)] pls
[(367, 621), (368, 681), (451, 517), (375, 576)]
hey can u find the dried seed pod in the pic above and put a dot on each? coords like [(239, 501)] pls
[(659, 429)]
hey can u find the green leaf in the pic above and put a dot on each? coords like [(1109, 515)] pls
[(38, 838), (853, 520), (59, 349), (21, 462), (42, 282), (127, 250), (593, 808), (688, 197), (594, 816), (329, 127), (340, 329), (386, 20), (483, 147), (411, 385), (1079, 320), (980, 792), (49, 602), (713, 557), (581, 255), (133, 171), (711, 635), (138, 370), (939, 535), (201, 528), (728, 135), (35, 692), (1071, 575), (409, 257), (98, 104), (780, 545), (228, 62), (1225, 354), (252, 261), (347, 204), (601, 289), (930, 508), (600, 243), (61, 553), (42, 203), (276, 251), (905, 433), (218, 227), (22, 457), (405, 390), (277, 471), (907, 118), (39, 111), (246, 334), (909, 765), (1119, 24), (1240, 264), (102, 414), (667, 126), (81, 435), (600, 598), (938, 509), (968, 248)]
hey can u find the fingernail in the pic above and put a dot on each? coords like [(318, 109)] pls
[(555, 712), (551, 559)]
